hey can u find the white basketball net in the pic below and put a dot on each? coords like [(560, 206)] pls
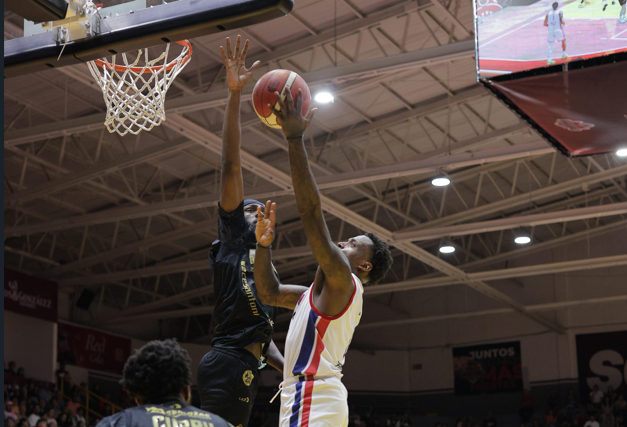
[(135, 94)]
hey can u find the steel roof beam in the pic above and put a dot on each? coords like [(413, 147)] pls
[(513, 222), (429, 165)]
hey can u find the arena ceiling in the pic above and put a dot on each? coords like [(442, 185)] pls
[(132, 218)]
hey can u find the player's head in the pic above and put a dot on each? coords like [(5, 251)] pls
[(555, 5), (369, 257), (158, 372), (250, 210)]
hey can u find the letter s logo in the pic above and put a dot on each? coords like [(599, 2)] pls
[(603, 364)]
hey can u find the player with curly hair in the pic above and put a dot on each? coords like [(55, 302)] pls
[(326, 313), (158, 376)]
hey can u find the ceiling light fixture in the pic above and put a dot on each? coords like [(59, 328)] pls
[(522, 240), (447, 249), (622, 152), (440, 181), (323, 97)]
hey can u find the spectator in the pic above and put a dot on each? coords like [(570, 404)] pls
[(536, 423), (61, 373), (11, 370), (391, 422), (41, 422), (611, 394), (23, 422), (563, 419), (620, 406), (489, 421), (580, 419), (21, 373), (550, 419), (64, 421), (591, 422), (596, 395), (406, 422), (571, 404), (8, 411), (78, 418), (553, 401), (34, 416), (51, 419), (526, 406), (73, 406), (22, 413)]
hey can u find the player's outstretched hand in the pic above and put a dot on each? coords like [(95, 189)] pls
[(290, 114), (266, 223), (237, 75)]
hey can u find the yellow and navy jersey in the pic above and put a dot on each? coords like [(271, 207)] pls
[(241, 318), (169, 414)]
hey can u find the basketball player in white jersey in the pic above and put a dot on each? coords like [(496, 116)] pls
[(327, 313), (555, 21), (622, 19)]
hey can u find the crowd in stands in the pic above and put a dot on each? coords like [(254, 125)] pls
[(601, 410), (33, 403)]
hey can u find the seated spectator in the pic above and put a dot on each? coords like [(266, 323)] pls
[(41, 422), (580, 419), (391, 422), (611, 394), (63, 420), (406, 421), (550, 419), (489, 421), (22, 408), (8, 411), (620, 406), (78, 418), (526, 406), (536, 423), (563, 420), (34, 416), (23, 422), (21, 373), (592, 422), (9, 422), (73, 406)]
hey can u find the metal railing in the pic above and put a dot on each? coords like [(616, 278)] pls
[(114, 408)]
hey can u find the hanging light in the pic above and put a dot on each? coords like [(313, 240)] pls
[(324, 97), (440, 181), (622, 152), (522, 240), (447, 249)]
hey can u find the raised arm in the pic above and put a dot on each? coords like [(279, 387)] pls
[(237, 75), (334, 264), (269, 290)]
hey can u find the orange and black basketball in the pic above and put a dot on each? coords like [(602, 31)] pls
[(277, 81)]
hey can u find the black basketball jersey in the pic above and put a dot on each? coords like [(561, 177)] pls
[(169, 414)]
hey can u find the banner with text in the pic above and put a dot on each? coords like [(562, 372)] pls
[(30, 295), (488, 368), (602, 361), (92, 349)]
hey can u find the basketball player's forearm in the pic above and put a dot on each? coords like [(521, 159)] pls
[(265, 279), (232, 187), (274, 357), (269, 289), (310, 210)]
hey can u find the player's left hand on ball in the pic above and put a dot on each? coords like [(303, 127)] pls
[(266, 222), (290, 114)]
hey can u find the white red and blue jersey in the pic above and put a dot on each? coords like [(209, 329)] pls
[(315, 349), (316, 344)]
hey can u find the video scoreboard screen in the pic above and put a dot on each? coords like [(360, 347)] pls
[(519, 35)]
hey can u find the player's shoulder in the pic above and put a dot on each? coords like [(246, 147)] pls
[(216, 420), (115, 420)]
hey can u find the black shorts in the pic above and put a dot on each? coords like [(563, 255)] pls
[(227, 384)]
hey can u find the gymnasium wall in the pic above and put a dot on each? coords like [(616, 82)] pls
[(31, 343)]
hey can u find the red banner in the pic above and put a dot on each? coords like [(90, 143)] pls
[(92, 349), (30, 295)]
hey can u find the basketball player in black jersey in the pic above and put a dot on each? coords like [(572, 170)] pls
[(158, 377), (242, 340)]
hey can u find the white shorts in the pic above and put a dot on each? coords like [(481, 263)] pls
[(556, 35), (316, 403)]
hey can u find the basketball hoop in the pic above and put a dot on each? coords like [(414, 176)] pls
[(135, 94)]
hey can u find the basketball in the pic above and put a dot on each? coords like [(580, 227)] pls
[(277, 81)]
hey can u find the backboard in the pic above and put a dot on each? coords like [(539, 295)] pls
[(89, 32)]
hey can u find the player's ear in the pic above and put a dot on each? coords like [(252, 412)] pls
[(187, 394), (366, 266)]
